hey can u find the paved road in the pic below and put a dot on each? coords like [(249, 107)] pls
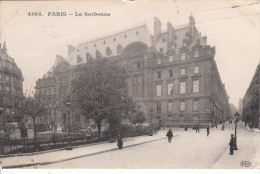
[(188, 150)]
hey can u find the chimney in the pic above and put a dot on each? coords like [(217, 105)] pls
[(157, 27), (70, 49), (191, 26), (205, 39), (4, 47), (170, 31)]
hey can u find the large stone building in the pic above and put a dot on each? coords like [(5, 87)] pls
[(251, 100), (11, 83), (172, 75)]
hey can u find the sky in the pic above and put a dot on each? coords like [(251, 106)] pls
[(34, 41)]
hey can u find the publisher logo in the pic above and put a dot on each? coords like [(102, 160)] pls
[(245, 164)]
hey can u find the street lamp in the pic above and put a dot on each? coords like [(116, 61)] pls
[(69, 147), (236, 120)]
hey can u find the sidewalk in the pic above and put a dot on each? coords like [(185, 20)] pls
[(77, 152)]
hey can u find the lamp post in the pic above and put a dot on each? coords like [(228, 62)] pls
[(236, 120), (69, 147)]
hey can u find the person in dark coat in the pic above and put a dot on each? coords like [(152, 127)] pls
[(231, 145), (197, 128), (119, 141), (169, 135), (208, 130)]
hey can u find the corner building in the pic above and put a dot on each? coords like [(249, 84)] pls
[(172, 74), (11, 83)]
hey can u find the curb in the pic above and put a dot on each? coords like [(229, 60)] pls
[(72, 158)]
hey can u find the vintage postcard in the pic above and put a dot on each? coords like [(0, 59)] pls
[(129, 84)]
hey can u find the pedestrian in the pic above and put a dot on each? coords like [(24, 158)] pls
[(231, 145), (208, 130), (169, 135), (119, 141), (222, 127), (197, 128)]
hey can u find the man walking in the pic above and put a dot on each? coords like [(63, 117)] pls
[(231, 145), (197, 128), (169, 135), (119, 141), (207, 130)]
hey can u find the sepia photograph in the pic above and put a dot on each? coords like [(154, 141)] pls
[(129, 84)]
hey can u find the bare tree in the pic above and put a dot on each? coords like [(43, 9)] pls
[(35, 106)]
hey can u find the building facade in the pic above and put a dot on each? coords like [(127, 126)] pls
[(11, 83), (251, 101), (172, 74)]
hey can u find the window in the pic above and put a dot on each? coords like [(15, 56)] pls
[(159, 107), (159, 75), (49, 90), (136, 90), (137, 64), (196, 70), (159, 61), (170, 58), (183, 71), (171, 73), (170, 88), (196, 53), (158, 90), (169, 107), (196, 86), (195, 105), (182, 87), (182, 106), (183, 56), (135, 79)]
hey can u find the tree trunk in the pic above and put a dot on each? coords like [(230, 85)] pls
[(35, 133), (99, 128)]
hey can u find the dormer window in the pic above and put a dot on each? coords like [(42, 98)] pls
[(159, 61), (98, 54), (196, 53), (95, 45), (104, 42), (170, 58), (108, 51), (114, 39), (137, 32), (119, 49), (183, 56), (125, 36)]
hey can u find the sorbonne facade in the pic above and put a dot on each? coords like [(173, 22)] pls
[(11, 83), (172, 75)]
